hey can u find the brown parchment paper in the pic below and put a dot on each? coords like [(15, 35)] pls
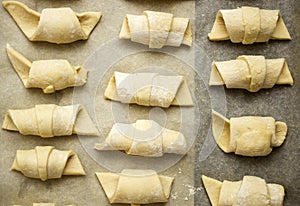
[(86, 190)]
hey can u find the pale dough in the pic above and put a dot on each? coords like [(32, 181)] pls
[(144, 138), (135, 187), (55, 25), (148, 89), (49, 120), (157, 29), (248, 192), (46, 162), (49, 75), (248, 135), (248, 25), (250, 72)]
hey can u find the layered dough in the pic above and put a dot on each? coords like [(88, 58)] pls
[(136, 187), (157, 29), (248, 135), (144, 138), (49, 120), (148, 89), (55, 25), (251, 72), (248, 25), (46, 162), (49, 75), (248, 192)]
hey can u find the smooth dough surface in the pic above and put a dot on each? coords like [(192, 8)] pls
[(126, 186), (46, 162), (49, 120), (55, 25), (251, 73), (248, 192), (144, 138), (157, 29), (248, 25), (148, 89), (49, 75), (248, 135)]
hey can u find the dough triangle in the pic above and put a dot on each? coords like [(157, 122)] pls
[(213, 188)]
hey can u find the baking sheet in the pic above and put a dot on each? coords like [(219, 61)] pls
[(102, 54), (281, 102)]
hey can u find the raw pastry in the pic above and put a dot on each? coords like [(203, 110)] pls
[(157, 29), (47, 163), (251, 72), (55, 25), (248, 192), (248, 135), (144, 138), (136, 187), (148, 89), (49, 75), (248, 25), (49, 120)]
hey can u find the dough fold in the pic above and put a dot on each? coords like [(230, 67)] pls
[(144, 138), (45, 162), (135, 187), (248, 135), (49, 75), (248, 192), (251, 73), (55, 25), (148, 89), (49, 120), (248, 25), (157, 29)]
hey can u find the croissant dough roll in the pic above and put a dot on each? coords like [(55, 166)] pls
[(49, 120), (157, 29), (55, 25), (45, 162), (248, 25), (135, 187), (248, 192), (49, 75), (248, 135), (251, 72), (148, 89), (144, 138)]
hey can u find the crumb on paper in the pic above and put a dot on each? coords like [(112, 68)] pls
[(174, 195), (179, 170), (192, 190)]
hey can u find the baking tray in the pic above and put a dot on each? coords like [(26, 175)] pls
[(204, 157)]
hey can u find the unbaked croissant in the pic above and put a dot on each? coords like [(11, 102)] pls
[(45, 162), (251, 72), (148, 89), (49, 120), (135, 187), (55, 25), (144, 138), (157, 29), (248, 25), (248, 135), (49, 75), (248, 192)]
